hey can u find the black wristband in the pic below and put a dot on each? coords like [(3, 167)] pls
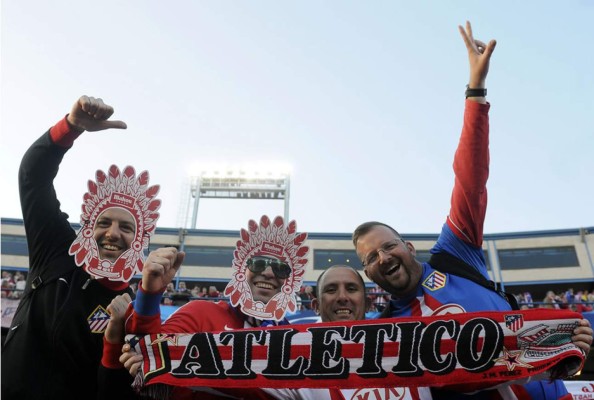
[(475, 92)]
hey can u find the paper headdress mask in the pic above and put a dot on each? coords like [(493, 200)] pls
[(125, 191), (270, 239)]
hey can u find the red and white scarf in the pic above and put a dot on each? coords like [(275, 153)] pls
[(477, 350)]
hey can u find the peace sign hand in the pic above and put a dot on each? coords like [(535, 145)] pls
[(479, 56)]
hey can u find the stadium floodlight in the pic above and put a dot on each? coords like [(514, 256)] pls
[(262, 181)]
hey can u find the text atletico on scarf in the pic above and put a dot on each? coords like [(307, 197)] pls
[(475, 349)]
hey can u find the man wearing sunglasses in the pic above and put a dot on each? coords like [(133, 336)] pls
[(419, 288), (264, 267), (266, 276)]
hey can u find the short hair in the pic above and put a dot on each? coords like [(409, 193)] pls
[(365, 227), (337, 266)]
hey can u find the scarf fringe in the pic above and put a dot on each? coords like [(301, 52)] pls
[(157, 391)]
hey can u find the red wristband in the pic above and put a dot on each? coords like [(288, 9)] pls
[(62, 133), (111, 355)]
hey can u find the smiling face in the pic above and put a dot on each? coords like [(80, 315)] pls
[(341, 295), (114, 232), (264, 284), (389, 261)]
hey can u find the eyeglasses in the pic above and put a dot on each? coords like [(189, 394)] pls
[(373, 257), (257, 265)]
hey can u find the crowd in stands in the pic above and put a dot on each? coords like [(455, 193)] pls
[(182, 294), (13, 284), (581, 301), (306, 295), (377, 299)]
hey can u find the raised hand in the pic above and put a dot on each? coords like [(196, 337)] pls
[(479, 56), (115, 331), (92, 114), (160, 268)]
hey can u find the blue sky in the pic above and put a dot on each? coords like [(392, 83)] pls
[(363, 99)]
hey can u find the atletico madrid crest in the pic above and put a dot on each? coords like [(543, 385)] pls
[(514, 322), (98, 320), (435, 281)]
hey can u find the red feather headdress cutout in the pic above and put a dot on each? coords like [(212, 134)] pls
[(268, 238), (117, 189)]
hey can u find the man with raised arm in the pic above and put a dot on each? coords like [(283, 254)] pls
[(423, 289), (54, 346)]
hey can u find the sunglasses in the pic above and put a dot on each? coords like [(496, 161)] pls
[(257, 265)]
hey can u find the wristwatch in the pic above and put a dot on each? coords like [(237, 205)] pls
[(475, 92)]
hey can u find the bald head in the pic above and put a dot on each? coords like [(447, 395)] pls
[(340, 294)]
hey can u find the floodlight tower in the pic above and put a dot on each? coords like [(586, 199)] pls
[(271, 182)]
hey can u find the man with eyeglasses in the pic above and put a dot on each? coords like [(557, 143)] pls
[(340, 296), (417, 288)]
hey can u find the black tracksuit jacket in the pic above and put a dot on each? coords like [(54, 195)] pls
[(50, 351)]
